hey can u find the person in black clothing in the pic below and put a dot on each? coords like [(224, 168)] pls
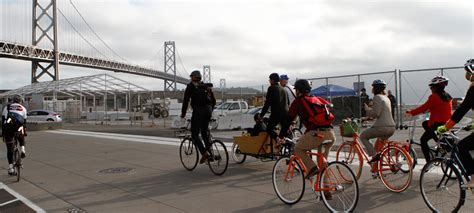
[(202, 102), (466, 144), (259, 126), (364, 99), (393, 102), (276, 99)]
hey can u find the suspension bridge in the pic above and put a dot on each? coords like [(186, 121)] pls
[(50, 33)]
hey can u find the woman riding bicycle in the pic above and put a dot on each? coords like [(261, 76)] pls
[(466, 144), (439, 104), (384, 126)]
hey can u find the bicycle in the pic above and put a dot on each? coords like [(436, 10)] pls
[(285, 149), (336, 183), (394, 167), (17, 160), (189, 154), (441, 179)]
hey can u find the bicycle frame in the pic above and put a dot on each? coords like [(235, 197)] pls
[(322, 163)]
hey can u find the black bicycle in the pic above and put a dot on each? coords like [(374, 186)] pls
[(441, 179), (189, 154)]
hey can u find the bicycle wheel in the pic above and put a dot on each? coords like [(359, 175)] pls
[(348, 154), (219, 157), (17, 162), (188, 154), (393, 161), (401, 157), (340, 190), (164, 113), (237, 156), (288, 180), (440, 193)]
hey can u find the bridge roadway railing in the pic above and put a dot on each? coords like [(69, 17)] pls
[(32, 53)]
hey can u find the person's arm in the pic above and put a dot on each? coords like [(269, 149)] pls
[(187, 97), (376, 108), (466, 105), (423, 108), (268, 101), (213, 98), (292, 113)]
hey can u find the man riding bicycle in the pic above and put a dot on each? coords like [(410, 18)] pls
[(317, 131), (466, 144), (203, 102), (13, 118)]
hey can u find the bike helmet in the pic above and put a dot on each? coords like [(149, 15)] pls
[(196, 73), (302, 85), (379, 83), (469, 66), (439, 80)]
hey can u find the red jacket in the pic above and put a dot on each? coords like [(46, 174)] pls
[(440, 111)]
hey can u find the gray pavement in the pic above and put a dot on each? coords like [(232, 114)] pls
[(67, 171)]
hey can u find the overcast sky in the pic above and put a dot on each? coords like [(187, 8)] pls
[(244, 41)]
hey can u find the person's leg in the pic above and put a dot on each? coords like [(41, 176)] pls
[(328, 136), (364, 138), (466, 145), (195, 129), (306, 143), (204, 124), (428, 135)]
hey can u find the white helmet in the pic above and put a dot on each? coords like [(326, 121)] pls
[(469, 66)]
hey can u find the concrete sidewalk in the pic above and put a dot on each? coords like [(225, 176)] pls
[(85, 173)]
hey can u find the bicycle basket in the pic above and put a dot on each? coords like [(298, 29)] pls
[(348, 129)]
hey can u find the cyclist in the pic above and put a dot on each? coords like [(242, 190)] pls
[(439, 104), (317, 131), (466, 144), (276, 99), (14, 117), (384, 126), (202, 102)]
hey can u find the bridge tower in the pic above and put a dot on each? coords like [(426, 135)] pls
[(170, 65), (206, 74), (45, 32)]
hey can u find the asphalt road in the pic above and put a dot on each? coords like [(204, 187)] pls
[(78, 171)]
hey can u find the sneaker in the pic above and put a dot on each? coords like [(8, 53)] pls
[(312, 172), (23, 153), (11, 171), (375, 158)]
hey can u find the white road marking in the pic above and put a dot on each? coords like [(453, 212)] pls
[(20, 197)]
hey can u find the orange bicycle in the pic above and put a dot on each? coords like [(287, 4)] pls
[(395, 167), (336, 183)]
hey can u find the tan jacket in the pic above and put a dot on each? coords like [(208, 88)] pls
[(382, 111)]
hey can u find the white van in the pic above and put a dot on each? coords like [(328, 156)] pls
[(231, 107)]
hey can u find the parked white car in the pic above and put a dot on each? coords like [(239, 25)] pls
[(231, 107), (43, 115)]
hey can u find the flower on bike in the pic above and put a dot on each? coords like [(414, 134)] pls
[(439, 104), (313, 112)]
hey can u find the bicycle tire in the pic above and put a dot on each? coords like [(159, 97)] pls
[(348, 154), (164, 113), (187, 151), (219, 156), (237, 156), (280, 181), (345, 195), (17, 161), (392, 160), (436, 185)]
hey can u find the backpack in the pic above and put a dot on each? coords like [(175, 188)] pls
[(318, 111), (13, 120), (201, 96)]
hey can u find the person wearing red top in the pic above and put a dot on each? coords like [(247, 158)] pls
[(315, 133), (439, 104)]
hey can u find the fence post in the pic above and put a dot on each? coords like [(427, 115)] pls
[(396, 97), (358, 93), (401, 97)]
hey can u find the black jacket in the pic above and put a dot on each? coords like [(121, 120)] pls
[(198, 100), (466, 105), (276, 101)]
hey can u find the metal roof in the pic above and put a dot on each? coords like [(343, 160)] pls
[(86, 85)]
